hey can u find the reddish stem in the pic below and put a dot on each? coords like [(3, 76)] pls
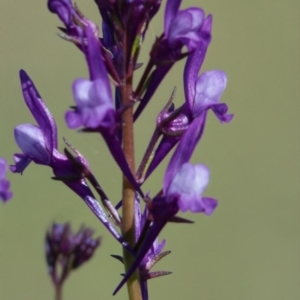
[(128, 229)]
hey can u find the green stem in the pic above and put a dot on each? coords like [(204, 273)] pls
[(127, 225)]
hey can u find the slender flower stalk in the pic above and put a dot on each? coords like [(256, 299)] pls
[(58, 292)]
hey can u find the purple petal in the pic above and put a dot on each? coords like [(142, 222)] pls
[(184, 149), (209, 88), (39, 111), (172, 7), (21, 163), (63, 8), (85, 93), (93, 105), (73, 119), (95, 62), (220, 111), (190, 179), (31, 141), (209, 205), (189, 184), (207, 25), (185, 28)]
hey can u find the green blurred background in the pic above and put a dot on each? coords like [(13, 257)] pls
[(250, 247)]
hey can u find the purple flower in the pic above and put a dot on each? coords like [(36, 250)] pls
[(38, 143), (183, 182), (189, 183), (183, 27), (5, 193), (187, 28), (93, 98), (66, 251)]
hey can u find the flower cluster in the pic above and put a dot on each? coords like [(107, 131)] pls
[(66, 251), (112, 60)]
